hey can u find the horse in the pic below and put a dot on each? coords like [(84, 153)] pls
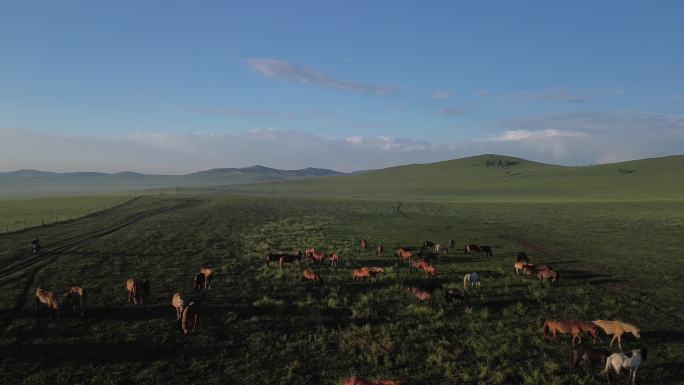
[(361, 274), (469, 249), (289, 258), (403, 253), (364, 245), (429, 269), (617, 329), (487, 251), (334, 258), (452, 243), (354, 380), (470, 280), (310, 275), (317, 256), (132, 287), (379, 250), (548, 273), (208, 276), (190, 317), (144, 290), (438, 249), (619, 361), (374, 269), (78, 298), (48, 298), (458, 294), (428, 244), (177, 302), (273, 257), (198, 282), (521, 257), (520, 267), (573, 327), (421, 295), (593, 355), (308, 252)]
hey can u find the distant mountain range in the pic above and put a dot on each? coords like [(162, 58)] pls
[(37, 183)]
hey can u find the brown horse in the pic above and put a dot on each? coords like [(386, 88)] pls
[(421, 295), (177, 302), (573, 327), (429, 269), (617, 329), (190, 317), (379, 250), (289, 258), (78, 298), (458, 294), (334, 258), (403, 253), (592, 355), (48, 298), (308, 252), (317, 256), (374, 269), (310, 275), (138, 290), (359, 274), (208, 276), (364, 245), (471, 248), (520, 267), (545, 272), (354, 380)]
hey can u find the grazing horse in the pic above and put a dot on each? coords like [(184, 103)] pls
[(78, 298), (617, 329), (520, 267), (573, 327), (48, 298), (317, 256), (310, 275), (364, 245), (428, 244), (593, 355), (458, 294), (487, 251), (273, 257), (198, 282), (190, 317), (406, 255), (415, 264), (208, 276), (619, 361), (354, 380), (470, 280), (334, 258), (470, 249), (547, 273), (421, 295), (361, 274), (379, 250), (429, 269), (308, 252), (177, 302), (521, 257), (289, 258)]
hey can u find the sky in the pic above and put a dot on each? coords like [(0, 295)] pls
[(177, 86)]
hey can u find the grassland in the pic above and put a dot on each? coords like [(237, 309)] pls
[(18, 214), (619, 259)]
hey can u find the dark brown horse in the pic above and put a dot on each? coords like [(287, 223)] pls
[(470, 248), (198, 282), (487, 251), (190, 317), (591, 355), (458, 294), (428, 244), (310, 275)]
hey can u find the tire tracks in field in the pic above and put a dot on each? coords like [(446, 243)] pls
[(41, 260)]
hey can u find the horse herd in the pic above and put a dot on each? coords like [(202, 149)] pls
[(420, 260), (187, 313)]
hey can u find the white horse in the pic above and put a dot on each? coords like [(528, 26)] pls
[(472, 279), (179, 304), (619, 361)]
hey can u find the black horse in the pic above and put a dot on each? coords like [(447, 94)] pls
[(521, 257), (35, 246), (458, 294)]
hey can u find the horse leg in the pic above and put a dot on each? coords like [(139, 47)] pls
[(619, 338), (612, 340)]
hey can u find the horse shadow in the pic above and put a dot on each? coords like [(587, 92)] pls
[(663, 335)]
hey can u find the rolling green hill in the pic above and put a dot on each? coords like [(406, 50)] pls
[(23, 183), (500, 178)]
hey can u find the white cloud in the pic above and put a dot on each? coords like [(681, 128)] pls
[(441, 95), (284, 70), (548, 133)]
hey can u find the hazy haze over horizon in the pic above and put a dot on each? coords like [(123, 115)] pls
[(170, 87)]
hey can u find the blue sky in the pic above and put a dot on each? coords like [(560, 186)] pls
[(390, 81)]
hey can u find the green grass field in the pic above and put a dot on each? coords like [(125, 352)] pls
[(262, 326), (614, 237), (19, 214)]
